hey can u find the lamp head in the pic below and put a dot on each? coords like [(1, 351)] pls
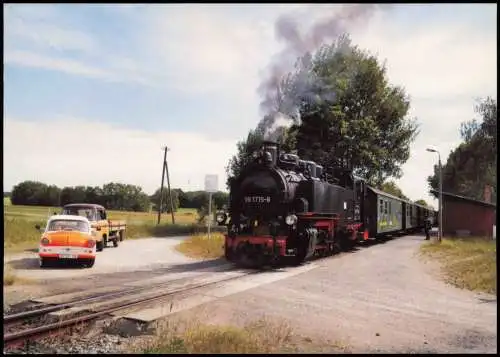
[(432, 149)]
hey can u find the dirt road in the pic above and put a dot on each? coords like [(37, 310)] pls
[(132, 260), (131, 255), (382, 298)]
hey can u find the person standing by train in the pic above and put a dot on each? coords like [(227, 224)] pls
[(427, 227)]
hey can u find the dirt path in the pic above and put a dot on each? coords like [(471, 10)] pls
[(382, 298)]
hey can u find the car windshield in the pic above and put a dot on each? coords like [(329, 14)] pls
[(68, 225), (80, 211)]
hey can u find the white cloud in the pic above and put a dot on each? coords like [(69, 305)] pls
[(451, 59), (69, 151), (221, 51), (36, 60), (40, 27)]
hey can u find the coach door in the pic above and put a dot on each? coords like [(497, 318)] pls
[(359, 198)]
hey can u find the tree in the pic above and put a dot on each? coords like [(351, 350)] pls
[(32, 193), (155, 198), (472, 165), (350, 115), (422, 202), (365, 128), (245, 149), (73, 195), (391, 188), (220, 199)]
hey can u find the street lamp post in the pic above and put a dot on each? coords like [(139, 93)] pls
[(440, 233)]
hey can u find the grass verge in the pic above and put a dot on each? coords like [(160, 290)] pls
[(200, 246), (468, 263), (10, 278), (262, 336)]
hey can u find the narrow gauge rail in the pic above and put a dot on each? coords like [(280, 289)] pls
[(33, 333), (14, 319)]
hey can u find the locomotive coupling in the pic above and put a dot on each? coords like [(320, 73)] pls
[(273, 230)]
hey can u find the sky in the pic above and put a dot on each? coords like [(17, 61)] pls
[(93, 92)]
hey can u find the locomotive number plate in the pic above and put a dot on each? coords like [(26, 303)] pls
[(257, 199)]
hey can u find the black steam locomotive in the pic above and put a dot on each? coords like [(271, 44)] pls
[(283, 209)]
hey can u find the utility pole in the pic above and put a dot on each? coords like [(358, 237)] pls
[(440, 199), (169, 192), (440, 231), (165, 168), (161, 187)]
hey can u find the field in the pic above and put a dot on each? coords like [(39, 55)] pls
[(468, 263), (20, 221)]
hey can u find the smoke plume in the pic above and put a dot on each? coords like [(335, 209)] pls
[(280, 94)]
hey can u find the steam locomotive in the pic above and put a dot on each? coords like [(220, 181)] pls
[(284, 210)]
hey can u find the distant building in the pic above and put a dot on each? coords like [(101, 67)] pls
[(467, 216)]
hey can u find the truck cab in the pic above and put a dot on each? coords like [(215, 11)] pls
[(106, 230)]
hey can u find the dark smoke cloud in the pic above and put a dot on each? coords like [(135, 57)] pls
[(279, 113)]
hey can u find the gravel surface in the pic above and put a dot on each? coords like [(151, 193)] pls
[(101, 344), (381, 298)]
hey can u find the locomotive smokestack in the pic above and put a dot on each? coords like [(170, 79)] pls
[(272, 148)]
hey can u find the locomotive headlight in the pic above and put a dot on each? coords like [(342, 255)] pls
[(220, 217), (291, 219)]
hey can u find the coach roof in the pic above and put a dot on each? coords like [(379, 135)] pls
[(382, 193)]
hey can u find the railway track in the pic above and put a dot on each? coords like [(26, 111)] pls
[(15, 334)]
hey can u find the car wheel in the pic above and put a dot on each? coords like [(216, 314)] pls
[(99, 246), (43, 263), (90, 263)]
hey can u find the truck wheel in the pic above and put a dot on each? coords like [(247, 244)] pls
[(43, 263), (115, 242), (99, 246)]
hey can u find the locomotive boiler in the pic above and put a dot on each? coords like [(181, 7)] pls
[(284, 209)]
